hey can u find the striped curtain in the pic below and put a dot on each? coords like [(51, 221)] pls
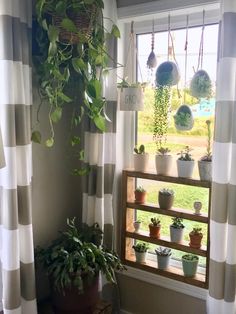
[(17, 258), (222, 284)]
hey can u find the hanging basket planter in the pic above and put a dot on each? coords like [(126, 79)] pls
[(184, 118), (167, 74), (200, 86), (131, 98)]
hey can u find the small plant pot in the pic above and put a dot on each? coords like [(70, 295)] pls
[(197, 207), (205, 170), (165, 201), (141, 162), (195, 240), (185, 168), (189, 267), (184, 118), (131, 98), (154, 231), (140, 197), (137, 225), (163, 261), (176, 234), (140, 257), (163, 164)]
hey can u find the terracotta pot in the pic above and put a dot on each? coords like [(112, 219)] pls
[(71, 302), (141, 162), (195, 240), (165, 201), (155, 231), (163, 164), (140, 197)]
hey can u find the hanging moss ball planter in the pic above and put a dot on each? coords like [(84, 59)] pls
[(200, 86), (184, 118), (131, 98), (167, 74)]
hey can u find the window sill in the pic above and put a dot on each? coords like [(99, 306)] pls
[(167, 283)]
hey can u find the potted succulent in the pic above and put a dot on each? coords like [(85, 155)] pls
[(130, 95), (163, 257), (200, 86), (185, 163), (155, 228), (184, 118), (166, 198), (205, 163), (190, 263), (195, 238), (137, 225), (163, 161), (176, 230), (140, 250), (73, 263), (140, 195), (167, 74), (140, 158)]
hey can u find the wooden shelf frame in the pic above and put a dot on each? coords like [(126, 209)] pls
[(127, 235)]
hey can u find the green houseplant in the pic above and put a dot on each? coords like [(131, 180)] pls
[(140, 195), (190, 263), (201, 86), (140, 250), (195, 237), (184, 118), (71, 41), (140, 158), (205, 163), (166, 198), (155, 227), (163, 257), (176, 230), (185, 163), (73, 262)]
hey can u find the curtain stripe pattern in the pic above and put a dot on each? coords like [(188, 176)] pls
[(17, 255), (222, 283)]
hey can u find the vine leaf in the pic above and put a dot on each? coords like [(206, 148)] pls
[(49, 142), (69, 25), (100, 123), (56, 115), (115, 31), (36, 137)]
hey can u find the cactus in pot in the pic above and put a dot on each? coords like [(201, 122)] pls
[(140, 158), (166, 198), (140, 250), (163, 257)]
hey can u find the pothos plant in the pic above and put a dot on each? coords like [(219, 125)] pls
[(161, 112), (60, 63)]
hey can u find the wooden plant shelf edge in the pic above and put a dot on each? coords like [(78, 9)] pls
[(175, 212), (164, 242), (198, 281), (157, 177)]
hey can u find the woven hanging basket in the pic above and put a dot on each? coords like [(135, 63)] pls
[(83, 21)]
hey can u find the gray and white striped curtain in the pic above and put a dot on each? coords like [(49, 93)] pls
[(17, 258), (222, 285)]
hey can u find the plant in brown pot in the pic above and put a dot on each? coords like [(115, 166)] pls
[(73, 262), (155, 228), (166, 198), (195, 238), (140, 195)]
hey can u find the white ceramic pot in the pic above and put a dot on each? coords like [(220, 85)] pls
[(137, 225), (163, 164), (176, 234), (141, 162), (205, 170), (185, 168), (131, 98), (140, 257)]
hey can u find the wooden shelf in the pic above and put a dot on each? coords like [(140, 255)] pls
[(165, 241), (174, 212), (172, 272), (177, 180)]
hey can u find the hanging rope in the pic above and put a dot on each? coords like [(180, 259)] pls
[(201, 52), (168, 48), (186, 58)]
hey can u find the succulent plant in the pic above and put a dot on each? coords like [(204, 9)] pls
[(140, 189), (163, 151), (177, 223), (196, 231), (155, 221), (166, 191), (200, 85), (190, 257), (185, 154), (163, 251), (140, 149), (140, 247)]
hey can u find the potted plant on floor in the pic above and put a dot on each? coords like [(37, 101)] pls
[(205, 163), (140, 250), (140, 195), (163, 257), (185, 163), (73, 263), (137, 225), (190, 263), (155, 228), (166, 198), (196, 238), (140, 158), (163, 161), (176, 230)]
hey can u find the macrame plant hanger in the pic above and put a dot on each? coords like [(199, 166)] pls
[(201, 51), (184, 118), (130, 94), (152, 60)]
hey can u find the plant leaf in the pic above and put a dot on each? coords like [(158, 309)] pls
[(61, 7), (78, 64), (56, 115), (49, 142), (115, 31), (94, 88), (64, 97), (100, 123), (69, 25), (36, 137), (53, 33), (52, 50), (88, 1)]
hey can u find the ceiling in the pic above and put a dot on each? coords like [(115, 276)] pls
[(125, 3)]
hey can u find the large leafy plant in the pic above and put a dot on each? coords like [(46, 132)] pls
[(61, 63), (76, 255)]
